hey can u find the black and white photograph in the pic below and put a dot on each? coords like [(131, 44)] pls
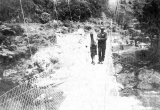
[(79, 54)]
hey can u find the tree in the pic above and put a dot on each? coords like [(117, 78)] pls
[(10, 9), (147, 12), (58, 9), (121, 11)]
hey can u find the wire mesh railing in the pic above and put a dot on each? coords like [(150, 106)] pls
[(29, 96), (35, 99)]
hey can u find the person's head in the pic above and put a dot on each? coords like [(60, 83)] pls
[(78, 26), (91, 33), (102, 29), (1, 23)]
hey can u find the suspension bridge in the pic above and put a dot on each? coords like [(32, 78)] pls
[(88, 87)]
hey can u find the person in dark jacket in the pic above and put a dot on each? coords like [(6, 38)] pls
[(101, 37)]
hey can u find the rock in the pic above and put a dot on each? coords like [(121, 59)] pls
[(18, 29), (120, 86), (11, 29), (146, 80), (3, 27), (9, 72), (128, 92), (121, 78), (156, 77), (150, 77), (144, 85), (7, 31), (118, 68), (127, 80)]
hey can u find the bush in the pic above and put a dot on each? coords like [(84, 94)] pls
[(93, 20), (67, 23), (45, 17), (88, 27), (64, 30), (54, 24), (15, 47)]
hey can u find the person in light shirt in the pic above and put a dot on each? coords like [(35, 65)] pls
[(91, 44)]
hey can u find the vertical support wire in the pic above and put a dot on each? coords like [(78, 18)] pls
[(116, 13), (55, 9), (80, 15), (69, 9), (26, 26)]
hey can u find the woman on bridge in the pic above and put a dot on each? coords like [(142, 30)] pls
[(92, 43)]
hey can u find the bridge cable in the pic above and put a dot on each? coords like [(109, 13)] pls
[(25, 26), (55, 9), (69, 9)]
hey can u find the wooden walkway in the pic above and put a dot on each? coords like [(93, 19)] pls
[(92, 87)]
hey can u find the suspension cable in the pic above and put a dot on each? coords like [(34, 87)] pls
[(25, 26), (55, 9), (69, 9)]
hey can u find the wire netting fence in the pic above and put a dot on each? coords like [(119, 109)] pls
[(28, 96)]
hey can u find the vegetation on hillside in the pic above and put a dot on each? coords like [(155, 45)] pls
[(147, 13), (21, 52), (10, 10)]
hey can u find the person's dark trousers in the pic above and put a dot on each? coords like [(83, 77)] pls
[(101, 52)]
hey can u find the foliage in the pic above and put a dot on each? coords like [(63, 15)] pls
[(7, 44), (147, 13), (121, 12), (54, 24), (45, 17), (60, 9), (15, 47), (25, 70), (10, 9), (77, 10)]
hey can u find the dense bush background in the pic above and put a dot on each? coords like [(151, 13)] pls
[(10, 10)]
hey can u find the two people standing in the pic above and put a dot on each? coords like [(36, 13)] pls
[(99, 39)]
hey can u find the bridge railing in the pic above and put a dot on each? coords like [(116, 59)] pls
[(31, 97)]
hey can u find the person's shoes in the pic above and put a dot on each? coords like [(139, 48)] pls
[(99, 62), (93, 63), (102, 62)]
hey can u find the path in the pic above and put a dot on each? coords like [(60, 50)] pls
[(91, 87), (85, 88)]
